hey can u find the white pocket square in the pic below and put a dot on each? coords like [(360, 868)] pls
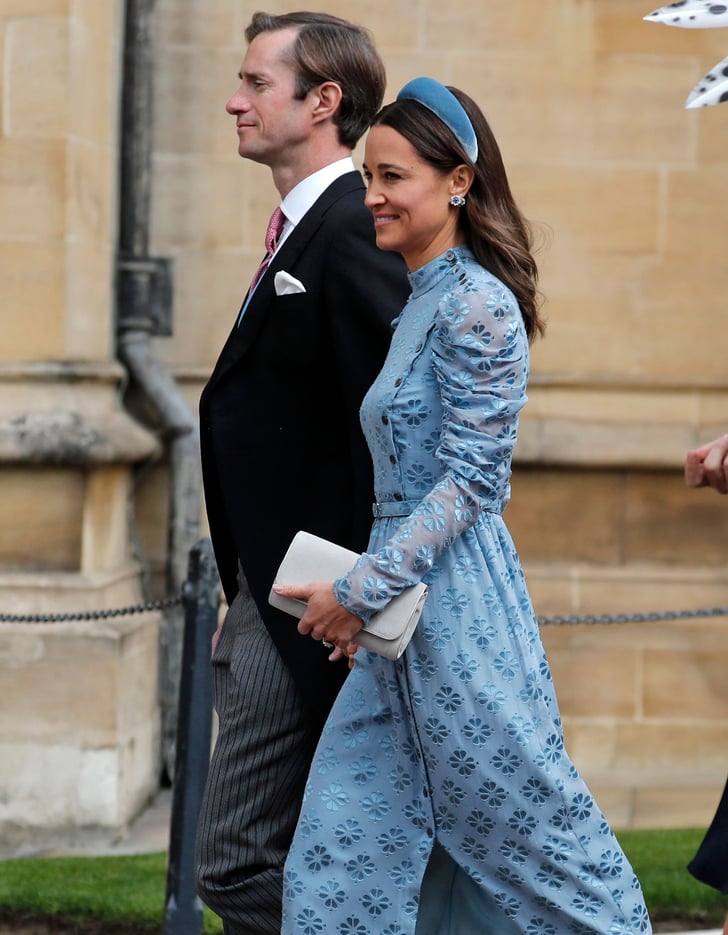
[(285, 284)]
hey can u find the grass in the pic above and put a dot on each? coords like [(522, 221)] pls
[(115, 895), (659, 859), (127, 892)]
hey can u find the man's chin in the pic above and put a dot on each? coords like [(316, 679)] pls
[(251, 153)]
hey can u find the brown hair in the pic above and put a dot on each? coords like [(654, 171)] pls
[(494, 228), (331, 49)]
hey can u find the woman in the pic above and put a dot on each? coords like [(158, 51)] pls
[(441, 799)]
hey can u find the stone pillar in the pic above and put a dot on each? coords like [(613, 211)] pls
[(79, 728)]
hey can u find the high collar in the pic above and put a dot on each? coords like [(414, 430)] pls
[(423, 279)]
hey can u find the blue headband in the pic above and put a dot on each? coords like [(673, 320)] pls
[(443, 103)]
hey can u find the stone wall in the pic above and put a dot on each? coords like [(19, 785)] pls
[(79, 731), (628, 195)]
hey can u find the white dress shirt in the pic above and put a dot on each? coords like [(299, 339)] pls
[(302, 197)]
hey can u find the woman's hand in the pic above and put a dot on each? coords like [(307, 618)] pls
[(325, 619)]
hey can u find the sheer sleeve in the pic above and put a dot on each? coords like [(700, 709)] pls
[(480, 364)]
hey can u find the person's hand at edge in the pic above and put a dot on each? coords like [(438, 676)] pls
[(707, 466)]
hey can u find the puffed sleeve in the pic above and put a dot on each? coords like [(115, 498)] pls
[(480, 361)]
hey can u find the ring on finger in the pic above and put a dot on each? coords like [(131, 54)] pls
[(327, 644)]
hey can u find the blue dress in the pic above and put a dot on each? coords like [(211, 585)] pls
[(441, 800)]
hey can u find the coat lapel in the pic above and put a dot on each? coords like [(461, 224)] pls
[(242, 337)]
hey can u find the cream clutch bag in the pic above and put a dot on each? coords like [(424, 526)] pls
[(310, 558)]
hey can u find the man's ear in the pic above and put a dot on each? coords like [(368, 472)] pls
[(327, 97)]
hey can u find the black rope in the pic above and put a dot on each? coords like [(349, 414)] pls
[(91, 614), (555, 620), (647, 617)]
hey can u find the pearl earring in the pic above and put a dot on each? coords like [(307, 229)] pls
[(457, 201)]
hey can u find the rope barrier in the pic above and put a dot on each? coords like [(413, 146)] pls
[(91, 614), (555, 620), (647, 617)]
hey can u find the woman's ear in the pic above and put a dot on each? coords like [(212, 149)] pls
[(327, 97), (461, 180)]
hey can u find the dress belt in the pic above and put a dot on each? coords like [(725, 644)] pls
[(393, 508)]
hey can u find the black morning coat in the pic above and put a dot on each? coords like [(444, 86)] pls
[(282, 447), (710, 864)]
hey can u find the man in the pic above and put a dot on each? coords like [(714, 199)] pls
[(282, 448)]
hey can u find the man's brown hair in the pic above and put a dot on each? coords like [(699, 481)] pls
[(331, 49)]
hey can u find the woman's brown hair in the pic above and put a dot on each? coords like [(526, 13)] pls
[(493, 226)]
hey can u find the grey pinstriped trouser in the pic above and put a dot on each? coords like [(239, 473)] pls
[(257, 774)]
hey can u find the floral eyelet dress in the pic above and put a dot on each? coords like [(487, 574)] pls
[(441, 800)]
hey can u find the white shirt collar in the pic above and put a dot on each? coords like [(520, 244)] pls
[(300, 198)]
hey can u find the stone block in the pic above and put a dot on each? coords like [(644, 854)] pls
[(665, 522), (552, 586), (32, 190), (40, 515), (97, 678), (89, 310), (84, 751), (598, 682), (710, 414), (601, 208), (27, 8), (95, 48), (619, 27), (712, 131), (616, 804), (83, 790), (695, 216), (585, 114), (686, 807), (545, 525), (634, 590), (203, 204), (151, 506), (105, 519), (607, 443), (668, 754), (641, 404), (674, 287), (36, 100), (393, 25), (91, 789), (686, 684), (209, 290), (589, 309), (53, 592), (604, 425), (192, 86), (562, 28), (406, 62), (33, 282), (91, 193), (590, 742), (198, 23)]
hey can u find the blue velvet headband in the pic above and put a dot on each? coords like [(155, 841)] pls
[(443, 103)]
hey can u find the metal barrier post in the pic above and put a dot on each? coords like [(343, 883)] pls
[(201, 594)]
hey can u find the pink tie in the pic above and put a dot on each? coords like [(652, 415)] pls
[(275, 227)]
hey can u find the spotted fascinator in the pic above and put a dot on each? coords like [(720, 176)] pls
[(699, 14)]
